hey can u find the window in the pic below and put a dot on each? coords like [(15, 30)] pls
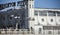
[(51, 13), (38, 23), (13, 4), (43, 20), (36, 13), (58, 13), (30, 5), (42, 13), (51, 20), (17, 30), (58, 32), (39, 30), (32, 30), (10, 18), (12, 30), (20, 3), (9, 4), (33, 19), (49, 32), (6, 5)]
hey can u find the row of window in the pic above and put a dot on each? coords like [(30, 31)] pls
[(50, 20), (44, 20), (44, 13), (49, 32), (19, 3)]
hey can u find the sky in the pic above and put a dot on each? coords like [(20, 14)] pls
[(47, 3), (39, 3)]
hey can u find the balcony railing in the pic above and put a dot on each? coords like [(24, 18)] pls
[(16, 31), (23, 31)]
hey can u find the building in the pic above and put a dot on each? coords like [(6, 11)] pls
[(46, 21), (12, 13), (37, 20)]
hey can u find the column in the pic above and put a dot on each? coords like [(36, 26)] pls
[(56, 19), (6, 20)]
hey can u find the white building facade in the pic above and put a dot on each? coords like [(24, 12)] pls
[(46, 21)]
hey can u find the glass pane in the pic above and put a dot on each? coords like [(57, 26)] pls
[(42, 13), (39, 30), (58, 13), (36, 13), (51, 13), (49, 32)]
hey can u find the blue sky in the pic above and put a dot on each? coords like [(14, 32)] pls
[(40, 3), (47, 3)]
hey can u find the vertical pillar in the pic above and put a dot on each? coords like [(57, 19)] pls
[(56, 19), (6, 20), (47, 18)]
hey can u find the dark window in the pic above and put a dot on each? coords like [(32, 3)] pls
[(17, 30), (9, 4), (49, 32), (12, 30), (39, 30), (10, 18), (36, 13), (38, 23), (33, 19), (51, 13), (42, 13), (58, 32), (20, 3), (30, 5), (6, 5), (43, 20), (51, 20), (32, 30), (13, 4), (58, 13)]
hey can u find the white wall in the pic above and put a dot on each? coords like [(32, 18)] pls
[(58, 20)]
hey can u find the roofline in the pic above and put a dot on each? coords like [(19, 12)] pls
[(47, 9)]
